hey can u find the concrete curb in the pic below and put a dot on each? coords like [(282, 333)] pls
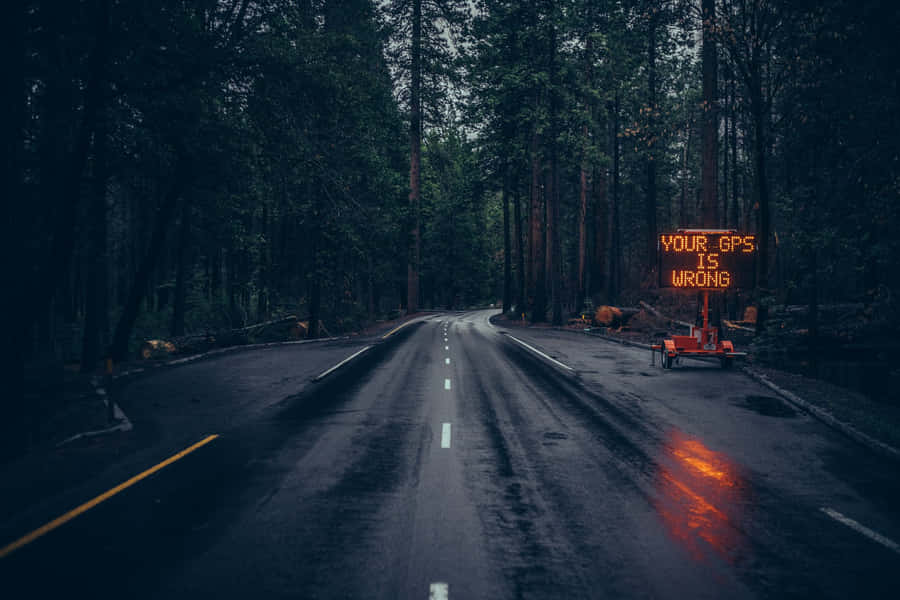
[(122, 421), (826, 417), (610, 338)]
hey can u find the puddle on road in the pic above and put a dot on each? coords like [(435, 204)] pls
[(698, 488), (768, 406)]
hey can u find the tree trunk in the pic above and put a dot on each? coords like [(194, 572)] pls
[(315, 304), (12, 118), (62, 242), (614, 277), (370, 288), (183, 269), (314, 275), (553, 241), (682, 200), (762, 195), (507, 253), (415, 154), (736, 208), (726, 121), (96, 323), (119, 348), (265, 262), (600, 234), (520, 255), (650, 205), (710, 118), (536, 292), (584, 179), (551, 197), (580, 286)]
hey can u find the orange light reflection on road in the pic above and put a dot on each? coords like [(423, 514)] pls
[(696, 486), (703, 460)]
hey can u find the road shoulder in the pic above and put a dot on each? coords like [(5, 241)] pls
[(872, 424)]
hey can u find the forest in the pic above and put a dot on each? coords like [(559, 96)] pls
[(184, 168)]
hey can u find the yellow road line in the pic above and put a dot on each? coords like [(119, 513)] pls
[(27, 539)]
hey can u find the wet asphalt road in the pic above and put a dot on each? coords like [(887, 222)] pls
[(451, 459)]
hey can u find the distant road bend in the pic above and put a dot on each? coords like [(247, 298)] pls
[(456, 459)]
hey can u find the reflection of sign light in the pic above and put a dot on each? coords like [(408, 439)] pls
[(698, 488), (706, 259), (703, 460)]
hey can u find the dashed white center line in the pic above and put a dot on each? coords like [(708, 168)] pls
[(445, 435), (446, 347), (438, 591), (446, 384), (860, 528), (447, 361)]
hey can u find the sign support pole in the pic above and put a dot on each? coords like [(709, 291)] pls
[(705, 310)]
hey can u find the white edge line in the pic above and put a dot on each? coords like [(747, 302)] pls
[(445, 435), (539, 353), (340, 364), (88, 434), (398, 328), (860, 528)]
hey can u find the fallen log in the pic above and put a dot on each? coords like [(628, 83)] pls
[(733, 325), (156, 349), (283, 328), (613, 316)]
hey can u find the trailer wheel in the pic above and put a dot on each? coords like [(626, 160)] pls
[(727, 362), (666, 360)]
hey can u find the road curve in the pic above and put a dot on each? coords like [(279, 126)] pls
[(457, 462)]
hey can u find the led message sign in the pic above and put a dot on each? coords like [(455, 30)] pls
[(707, 260)]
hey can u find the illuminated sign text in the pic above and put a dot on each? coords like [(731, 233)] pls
[(712, 260)]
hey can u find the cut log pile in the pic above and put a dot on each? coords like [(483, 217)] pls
[(644, 319), (613, 316)]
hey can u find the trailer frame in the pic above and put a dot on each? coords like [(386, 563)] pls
[(703, 342)]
